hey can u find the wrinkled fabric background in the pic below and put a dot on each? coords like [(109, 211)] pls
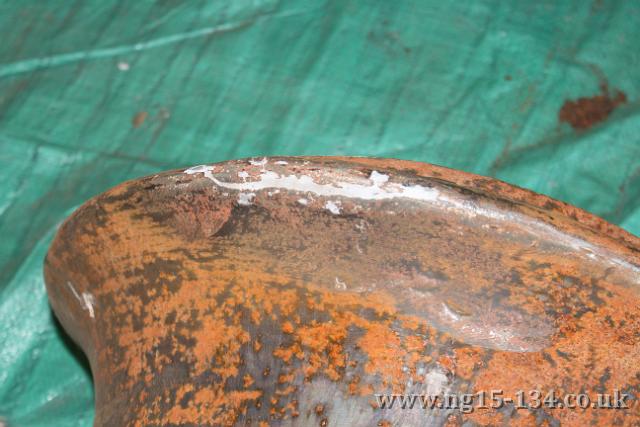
[(96, 92)]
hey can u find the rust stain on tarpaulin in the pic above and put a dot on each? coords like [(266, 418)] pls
[(235, 294), (583, 113), (139, 118)]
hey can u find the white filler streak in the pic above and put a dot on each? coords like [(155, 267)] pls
[(304, 183)]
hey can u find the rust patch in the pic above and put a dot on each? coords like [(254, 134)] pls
[(139, 118), (583, 113)]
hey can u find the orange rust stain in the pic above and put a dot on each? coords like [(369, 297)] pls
[(523, 419), (384, 352), (485, 417), (286, 391), (354, 385), (452, 421), (247, 380), (208, 405), (292, 408), (287, 353), (585, 112), (218, 342), (285, 378), (468, 361), (139, 118), (447, 363), (287, 328)]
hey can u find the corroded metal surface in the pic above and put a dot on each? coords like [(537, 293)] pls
[(289, 291)]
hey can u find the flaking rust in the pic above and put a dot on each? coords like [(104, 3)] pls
[(291, 291)]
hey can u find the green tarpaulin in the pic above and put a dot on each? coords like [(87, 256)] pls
[(541, 94)]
